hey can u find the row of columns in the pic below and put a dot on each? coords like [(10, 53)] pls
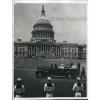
[(43, 28), (44, 48), (43, 34)]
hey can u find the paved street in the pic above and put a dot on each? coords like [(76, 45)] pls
[(34, 86)]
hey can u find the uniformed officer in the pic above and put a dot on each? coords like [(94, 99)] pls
[(19, 88), (78, 88), (49, 87)]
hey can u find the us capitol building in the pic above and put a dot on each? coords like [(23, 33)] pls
[(43, 44)]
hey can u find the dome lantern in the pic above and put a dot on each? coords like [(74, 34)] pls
[(42, 11)]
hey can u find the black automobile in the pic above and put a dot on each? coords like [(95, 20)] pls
[(44, 72)]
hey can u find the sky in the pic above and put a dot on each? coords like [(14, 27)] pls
[(68, 20)]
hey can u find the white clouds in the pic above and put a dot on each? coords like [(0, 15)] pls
[(26, 14)]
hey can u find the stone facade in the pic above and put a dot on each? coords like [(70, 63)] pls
[(43, 45)]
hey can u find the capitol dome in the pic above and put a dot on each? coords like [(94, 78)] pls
[(43, 20), (42, 29)]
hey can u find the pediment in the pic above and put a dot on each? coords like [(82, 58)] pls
[(44, 41)]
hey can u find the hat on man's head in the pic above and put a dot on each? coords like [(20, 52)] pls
[(78, 78), (49, 78), (19, 79)]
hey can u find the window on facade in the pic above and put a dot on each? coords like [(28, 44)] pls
[(75, 50), (23, 54), (16, 54), (16, 49), (72, 50), (34, 34), (69, 50), (37, 33), (45, 27), (20, 49), (23, 49)]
